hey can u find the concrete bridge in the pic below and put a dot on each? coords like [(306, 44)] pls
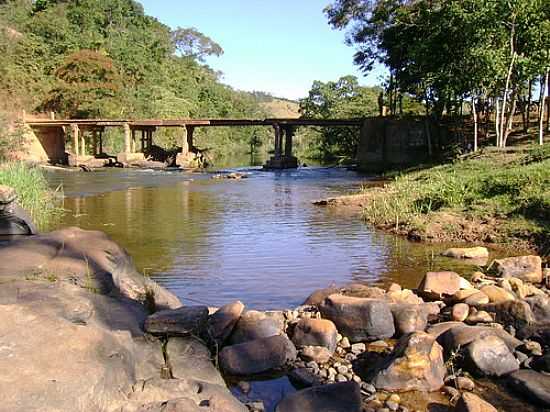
[(51, 133)]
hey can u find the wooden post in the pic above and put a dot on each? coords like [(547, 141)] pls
[(127, 138), (74, 132)]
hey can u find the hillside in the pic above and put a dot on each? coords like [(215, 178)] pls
[(282, 108)]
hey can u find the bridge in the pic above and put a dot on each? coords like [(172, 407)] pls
[(52, 134)]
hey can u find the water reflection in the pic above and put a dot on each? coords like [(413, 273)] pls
[(259, 239)]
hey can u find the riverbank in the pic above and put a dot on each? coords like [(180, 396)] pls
[(455, 343), (34, 193), (493, 196)]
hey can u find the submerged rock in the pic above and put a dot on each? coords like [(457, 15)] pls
[(359, 319), (526, 268), (533, 385), (415, 364), (478, 252), (257, 356), (337, 397)]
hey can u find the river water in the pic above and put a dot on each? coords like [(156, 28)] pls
[(259, 239)]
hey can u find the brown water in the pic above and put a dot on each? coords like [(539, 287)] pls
[(259, 239)]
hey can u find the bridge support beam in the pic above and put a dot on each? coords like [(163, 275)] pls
[(73, 160), (128, 156), (187, 157), (282, 157)]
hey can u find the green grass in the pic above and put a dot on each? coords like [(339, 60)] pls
[(33, 192), (509, 190)]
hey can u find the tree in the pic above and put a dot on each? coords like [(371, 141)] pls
[(192, 43)]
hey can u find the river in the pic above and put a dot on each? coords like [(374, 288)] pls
[(259, 239)]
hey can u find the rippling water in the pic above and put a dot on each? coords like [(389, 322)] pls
[(258, 239)]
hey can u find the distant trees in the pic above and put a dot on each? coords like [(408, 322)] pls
[(192, 43), (448, 52)]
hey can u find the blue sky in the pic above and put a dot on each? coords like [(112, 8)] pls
[(277, 46)]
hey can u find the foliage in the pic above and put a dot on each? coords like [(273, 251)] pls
[(34, 195), (514, 197), (107, 58)]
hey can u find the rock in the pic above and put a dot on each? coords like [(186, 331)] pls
[(257, 356), (490, 356), (318, 296), (89, 259), (469, 402), (439, 329), (403, 296), (415, 364), (460, 312), (463, 294), (338, 397), (222, 322), (190, 357), (475, 299), (436, 285), (394, 287), (315, 332), (464, 384), (187, 320), (497, 294), (542, 364), (358, 348), (344, 343), (534, 385), (359, 319), (467, 253), (460, 335), (319, 354), (479, 317), (526, 268), (304, 377), (255, 325), (410, 318), (540, 307), (515, 313), (203, 396)]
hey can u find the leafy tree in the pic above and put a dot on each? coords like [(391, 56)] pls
[(192, 43)]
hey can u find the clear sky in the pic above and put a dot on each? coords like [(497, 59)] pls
[(277, 46)]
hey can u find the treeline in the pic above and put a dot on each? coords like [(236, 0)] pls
[(493, 55), (107, 58)]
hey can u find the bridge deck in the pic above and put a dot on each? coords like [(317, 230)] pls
[(193, 122)]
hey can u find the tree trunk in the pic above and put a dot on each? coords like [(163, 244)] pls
[(527, 122), (497, 122), (505, 99), (474, 114), (510, 119), (543, 91)]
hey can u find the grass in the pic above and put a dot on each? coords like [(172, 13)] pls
[(34, 194), (492, 196)]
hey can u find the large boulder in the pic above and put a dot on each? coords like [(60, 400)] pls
[(187, 320), (319, 295), (256, 325), (438, 285), (458, 335), (533, 385), (359, 319), (89, 259), (337, 397), (512, 312), (469, 402), (490, 356), (412, 318), (257, 356), (526, 268), (415, 364), (14, 220), (497, 294), (315, 332), (188, 356), (222, 322), (478, 252)]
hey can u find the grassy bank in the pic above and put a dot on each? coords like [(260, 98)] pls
[(33, 192), (493, 196)]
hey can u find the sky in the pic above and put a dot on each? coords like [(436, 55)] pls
[(275, 46)]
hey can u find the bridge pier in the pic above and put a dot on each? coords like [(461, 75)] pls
[(129, 155), (187, 157), (282, 157)]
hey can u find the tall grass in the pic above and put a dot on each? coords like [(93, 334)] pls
[(34, 194), (512, 187)]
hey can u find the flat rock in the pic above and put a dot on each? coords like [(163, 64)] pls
[(526, 268), (415, 364), (490, 356), (533, 385), (184, 321), (359, 319), (469, 402), (255, 325), (337, 397), (222, 322), (478, 252), (187, 356), (436, 285), (257, 356), (315, 332)]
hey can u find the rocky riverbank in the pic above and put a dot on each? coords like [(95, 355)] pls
[(84, 331)]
